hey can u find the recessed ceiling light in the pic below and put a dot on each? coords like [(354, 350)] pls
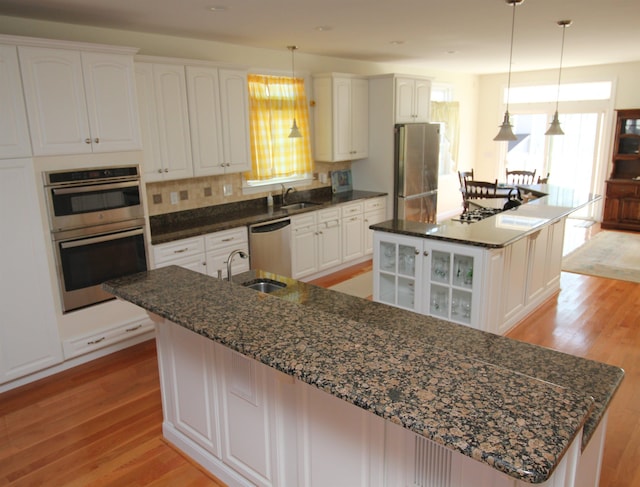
[(452, 51), (396, 43), (218, 8), (323, 28)]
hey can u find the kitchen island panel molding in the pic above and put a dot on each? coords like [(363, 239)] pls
[(331, 442)]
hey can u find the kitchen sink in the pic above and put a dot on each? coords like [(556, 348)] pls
[(299, 206), (264, 285)]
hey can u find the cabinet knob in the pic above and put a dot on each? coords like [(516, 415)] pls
[(87, 141), (97, 140), (166, 170), (159, 171), (417, 252), (425, 253)]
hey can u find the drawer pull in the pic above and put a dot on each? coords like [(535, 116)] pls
[(133, 328), (97, 340), (228, 239), (179, 251)]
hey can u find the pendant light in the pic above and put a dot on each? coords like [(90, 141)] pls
[(505, 132), (554, 128), (295, 132)]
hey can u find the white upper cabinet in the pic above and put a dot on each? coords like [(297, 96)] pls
[(164, 118), (234, 103), (203, 94), (194, 119), (341, 117), (14, 131), (413, 98), (79, 101)]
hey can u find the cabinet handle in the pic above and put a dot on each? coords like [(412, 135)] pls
[(133, 328), (425, 253), (166, 169), (97, 340), (159, 171), (97, 140), (228, 239), (87, 141), (180, 250)]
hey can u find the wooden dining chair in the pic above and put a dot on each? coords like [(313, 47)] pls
[(480, 190), (465, 176), (520, 177), (544, 180)]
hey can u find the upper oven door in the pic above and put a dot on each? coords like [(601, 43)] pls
[(77, 206)]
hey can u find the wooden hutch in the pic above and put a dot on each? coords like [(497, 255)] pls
[(622, 203)]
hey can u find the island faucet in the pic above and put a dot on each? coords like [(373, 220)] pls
[(285, 192), (233, 253)]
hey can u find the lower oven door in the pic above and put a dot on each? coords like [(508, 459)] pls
[(84, 263)]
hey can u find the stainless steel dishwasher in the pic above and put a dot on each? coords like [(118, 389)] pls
[(270, 246)]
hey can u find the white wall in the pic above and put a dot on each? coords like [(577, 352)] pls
[(626, 78)]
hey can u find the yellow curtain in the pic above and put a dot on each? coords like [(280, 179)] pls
[(448, 113), (274, 102)]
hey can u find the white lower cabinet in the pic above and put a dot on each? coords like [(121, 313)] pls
[(374, 212), (352, 230), (487, 289), (316, 241), (206, 254), (29, 338), (250, 425), (431, 278)]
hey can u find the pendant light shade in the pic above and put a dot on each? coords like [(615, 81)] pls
[(506, 133), (295, 132), (554, 128)]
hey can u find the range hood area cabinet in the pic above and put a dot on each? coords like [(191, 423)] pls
[(194, 119), (80, 99), (341, 117)]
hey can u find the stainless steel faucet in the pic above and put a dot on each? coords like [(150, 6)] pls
[(233, 253), (285, 192)]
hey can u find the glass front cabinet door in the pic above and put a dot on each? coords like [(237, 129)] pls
[(397, 271), (436, 279)]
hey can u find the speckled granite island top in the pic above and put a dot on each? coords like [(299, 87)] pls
[(513, 406), (503, 228)]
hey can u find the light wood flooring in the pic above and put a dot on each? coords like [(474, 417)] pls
[(99, 424)]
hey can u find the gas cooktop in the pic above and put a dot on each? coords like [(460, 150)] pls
[(475, 215)]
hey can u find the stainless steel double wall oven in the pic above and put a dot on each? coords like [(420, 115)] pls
[(97, 226)]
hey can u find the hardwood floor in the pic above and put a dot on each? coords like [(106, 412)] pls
[(100, 423)]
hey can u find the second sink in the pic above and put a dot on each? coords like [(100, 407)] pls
[(264, 285)]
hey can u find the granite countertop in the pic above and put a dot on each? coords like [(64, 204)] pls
[(191, 223), (503, 228), (511, 405)]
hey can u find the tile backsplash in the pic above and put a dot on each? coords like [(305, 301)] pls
[(188, 194)]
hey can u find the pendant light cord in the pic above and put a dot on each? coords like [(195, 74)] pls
[(563, 24), (513, 26)]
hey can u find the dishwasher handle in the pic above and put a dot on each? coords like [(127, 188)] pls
[(270, 227)]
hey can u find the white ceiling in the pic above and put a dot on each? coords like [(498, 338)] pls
[(469, 36)]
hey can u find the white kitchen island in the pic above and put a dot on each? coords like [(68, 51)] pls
[(487, 274), (310, 387)]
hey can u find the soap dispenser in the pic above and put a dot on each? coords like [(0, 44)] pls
[(270, 201)]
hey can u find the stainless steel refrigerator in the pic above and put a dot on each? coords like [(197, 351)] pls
[(417, 147)]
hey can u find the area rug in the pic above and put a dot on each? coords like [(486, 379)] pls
[(360, 285), (615, 255)]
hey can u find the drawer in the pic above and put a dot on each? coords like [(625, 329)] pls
[(226, 238), (352, 208), (164, 253), (618, 190), (375, 204), (304, 220), (328, 214)]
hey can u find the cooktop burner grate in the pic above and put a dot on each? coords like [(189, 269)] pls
[(476, 215)]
